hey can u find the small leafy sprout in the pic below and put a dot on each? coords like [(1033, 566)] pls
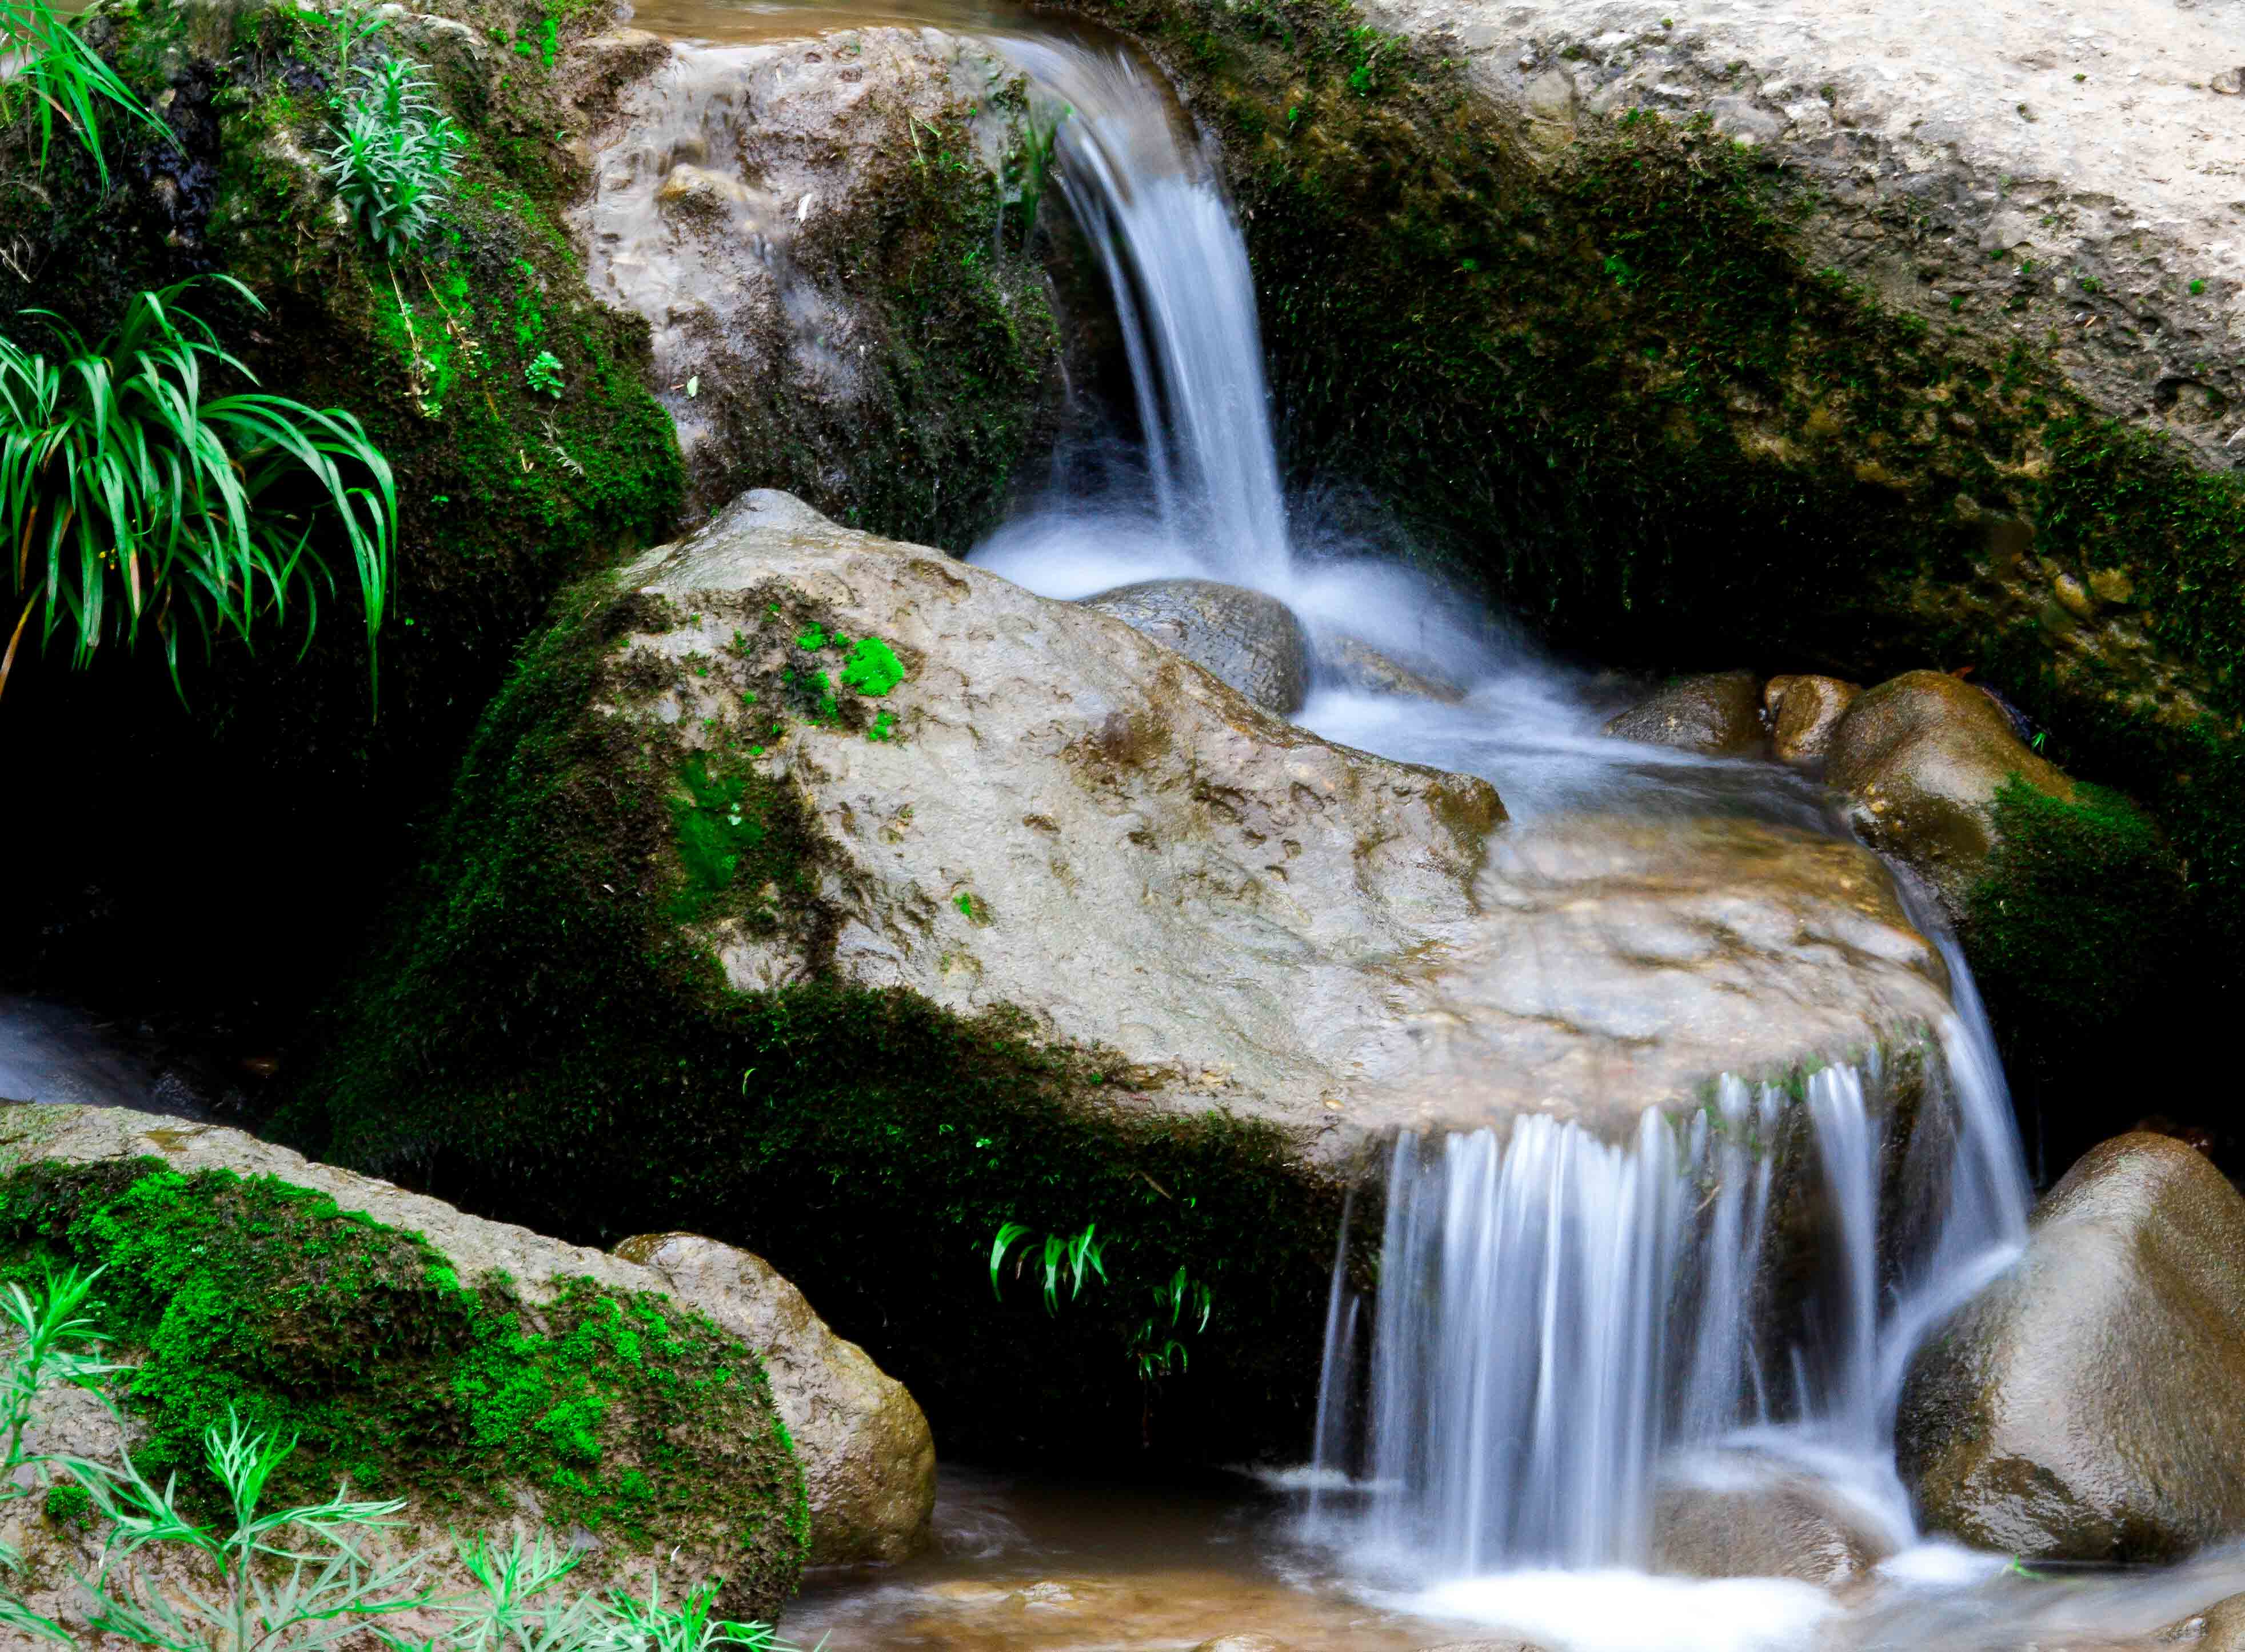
[(873, 668), (965, 905), (544, 373), (53, 72), (395, 156)]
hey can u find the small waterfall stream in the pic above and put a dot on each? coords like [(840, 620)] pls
[(1558, 1315)]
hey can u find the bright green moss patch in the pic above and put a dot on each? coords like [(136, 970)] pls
[(629, 1417), (873, 667)]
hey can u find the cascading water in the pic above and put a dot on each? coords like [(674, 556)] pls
[(1558, 1316)]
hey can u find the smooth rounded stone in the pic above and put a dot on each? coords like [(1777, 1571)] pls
[(1241, 637), (1748, 1519), (1483, 1646), (1919, 759), (2090, 1404), (868, 1458), (1718, 715), (1241, 1644), (1802, 713), (1360, 666)]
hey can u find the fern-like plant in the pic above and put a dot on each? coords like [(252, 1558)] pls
[(131, 497), (396, 153), (48, 71)]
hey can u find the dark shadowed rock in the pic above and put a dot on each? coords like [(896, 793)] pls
[(1803, 712), (1920, 758), (2090, 1404), (1718, 715), (1239, 637)]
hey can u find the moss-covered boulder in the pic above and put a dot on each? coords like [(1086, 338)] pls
[(849, 902), (487, 1375)]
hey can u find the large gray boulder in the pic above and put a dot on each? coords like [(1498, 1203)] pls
[(1240, 637), (1733, 1515), (2090, 1404), (868, 1458), (1330, 940), (1919, 759)]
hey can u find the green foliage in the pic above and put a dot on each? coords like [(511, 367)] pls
[(1154, 1345), (396, 154), (544, 373), (255, 1579), (873, 667), (321, 1327), (1073, 1257), (53, 74), (128, 494), (2073, 925)]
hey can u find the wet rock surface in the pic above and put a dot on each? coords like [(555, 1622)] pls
[(1746, 1519), (1716, 715), (1351, 663), (1242, 637), (2090, 1404), (1802, 712), (868, 1457), (1334, 941), (1919, 759)]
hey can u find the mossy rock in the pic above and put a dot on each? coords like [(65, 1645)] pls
[(566, 1398)]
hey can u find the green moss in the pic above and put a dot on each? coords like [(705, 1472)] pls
[(538, 1005), (637, 1420)]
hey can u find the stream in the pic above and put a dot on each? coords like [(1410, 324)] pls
[(1563, 1327)]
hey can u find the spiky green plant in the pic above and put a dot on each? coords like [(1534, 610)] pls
[(396, 153), (129, 496), (289, 1580), (48, 71)]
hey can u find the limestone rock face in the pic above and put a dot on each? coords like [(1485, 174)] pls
[(868, 1458), (1919, 759), (1998, 123), (1803, 712), (737, 187), (1063, 818), (1716, 715), (2090, 1404), (1240, 637)]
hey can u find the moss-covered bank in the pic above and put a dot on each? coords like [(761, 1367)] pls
[(546, 1038), (505, 491), (641, 1423), (1593, 370)]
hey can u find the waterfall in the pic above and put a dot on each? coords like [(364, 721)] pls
[(1557, 1314)]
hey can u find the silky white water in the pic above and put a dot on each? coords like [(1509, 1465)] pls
[(1560, 1320)]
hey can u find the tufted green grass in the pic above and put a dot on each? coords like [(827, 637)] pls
[(640, 1421)]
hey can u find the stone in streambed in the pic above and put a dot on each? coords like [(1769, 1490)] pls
[(1803, 712), (1919, 759), (868, 1458), (1241, 1644), (1716, 715), (2090, 1404), (1243, 639), (1356, 665), (1749, 1519)]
